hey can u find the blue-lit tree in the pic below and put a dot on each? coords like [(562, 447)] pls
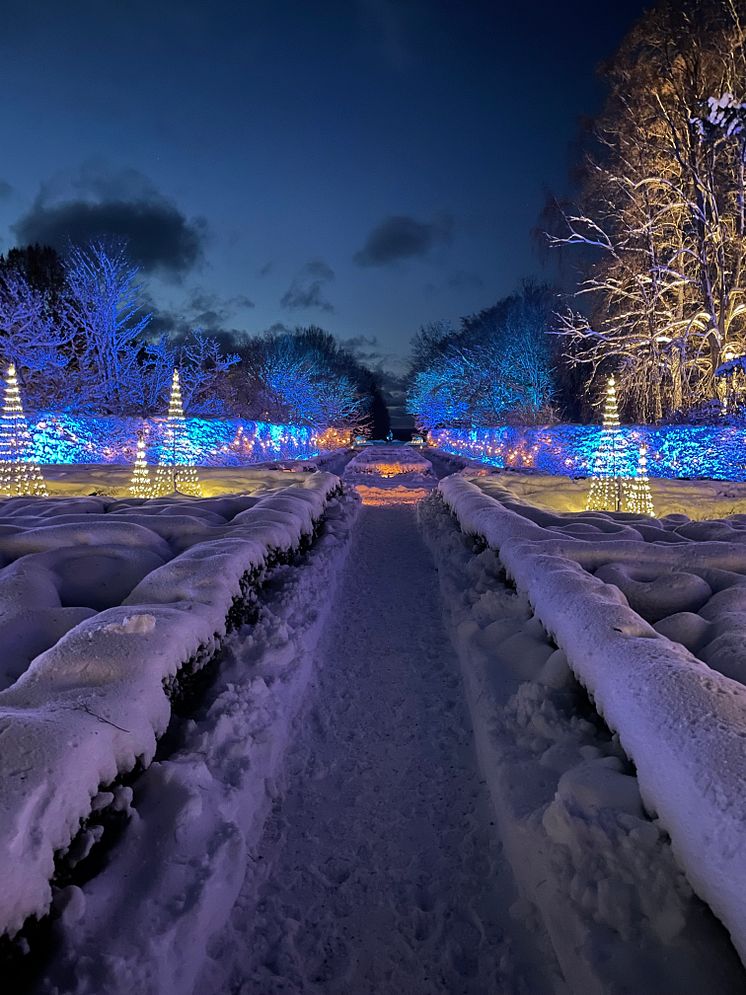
[(106, 317), (303, 377), (494, 368)]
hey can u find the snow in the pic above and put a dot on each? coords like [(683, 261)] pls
[(682, 723), (406, 775), (379, 871), (97, 693), (200, 810), (601, 874), (693, 498), (385, 475)]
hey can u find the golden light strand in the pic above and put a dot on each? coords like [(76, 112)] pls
[(141, 485), (175, 471), (640, 497), (20, 474), (609, 486)]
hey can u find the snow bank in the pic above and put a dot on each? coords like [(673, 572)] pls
[(92, 706), (200, 811), (696, 499), (683, 724), (570, 815)]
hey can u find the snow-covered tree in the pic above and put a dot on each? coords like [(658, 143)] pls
[(304, 377), (106, 317), (661, 215), (29, 335), (494, 368)]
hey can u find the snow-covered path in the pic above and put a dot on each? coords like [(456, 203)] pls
[(379, 870)]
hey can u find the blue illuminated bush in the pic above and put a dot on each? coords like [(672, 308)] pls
[(716, 452), (63, 438)]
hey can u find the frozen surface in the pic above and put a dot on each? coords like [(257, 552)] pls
[(114, 481), (696, 499)]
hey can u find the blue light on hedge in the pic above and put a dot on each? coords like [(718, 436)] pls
[(688, 451), (63, 438)]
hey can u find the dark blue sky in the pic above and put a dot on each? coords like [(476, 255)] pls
[(365, 165)]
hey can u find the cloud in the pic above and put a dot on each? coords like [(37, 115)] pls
[(403, 237), (208, 310), (5, 189), (203, 310), (267, 268), (96, 202), (368, 350), (307, 288)]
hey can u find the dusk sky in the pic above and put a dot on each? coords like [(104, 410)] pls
[(366, 165)]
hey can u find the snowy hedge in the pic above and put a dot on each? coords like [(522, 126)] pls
[(92, 707), (706, 451), (682, 723), (63, 438)]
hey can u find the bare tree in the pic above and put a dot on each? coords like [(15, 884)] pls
[(662, 212), (106, 318)]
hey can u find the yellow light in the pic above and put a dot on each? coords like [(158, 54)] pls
[(20, 474), (171, 476), (141, 485)]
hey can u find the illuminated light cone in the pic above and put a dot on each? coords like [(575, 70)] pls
[(640, 497), (610, 481), (141, 485), (20, 474), (176, 472)]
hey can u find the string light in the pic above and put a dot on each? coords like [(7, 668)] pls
[(20, 474), (141, 485), (640, 497), (176, 471), (609, 486)]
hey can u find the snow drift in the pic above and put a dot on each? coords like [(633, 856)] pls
[(682, 723), (92, 706)]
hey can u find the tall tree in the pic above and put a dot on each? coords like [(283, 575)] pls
[(105, 314), (662, 209)]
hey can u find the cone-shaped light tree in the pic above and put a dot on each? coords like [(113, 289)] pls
[(610, 482), (141, 485), (640, 497), (20, 474), (176, 471)]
